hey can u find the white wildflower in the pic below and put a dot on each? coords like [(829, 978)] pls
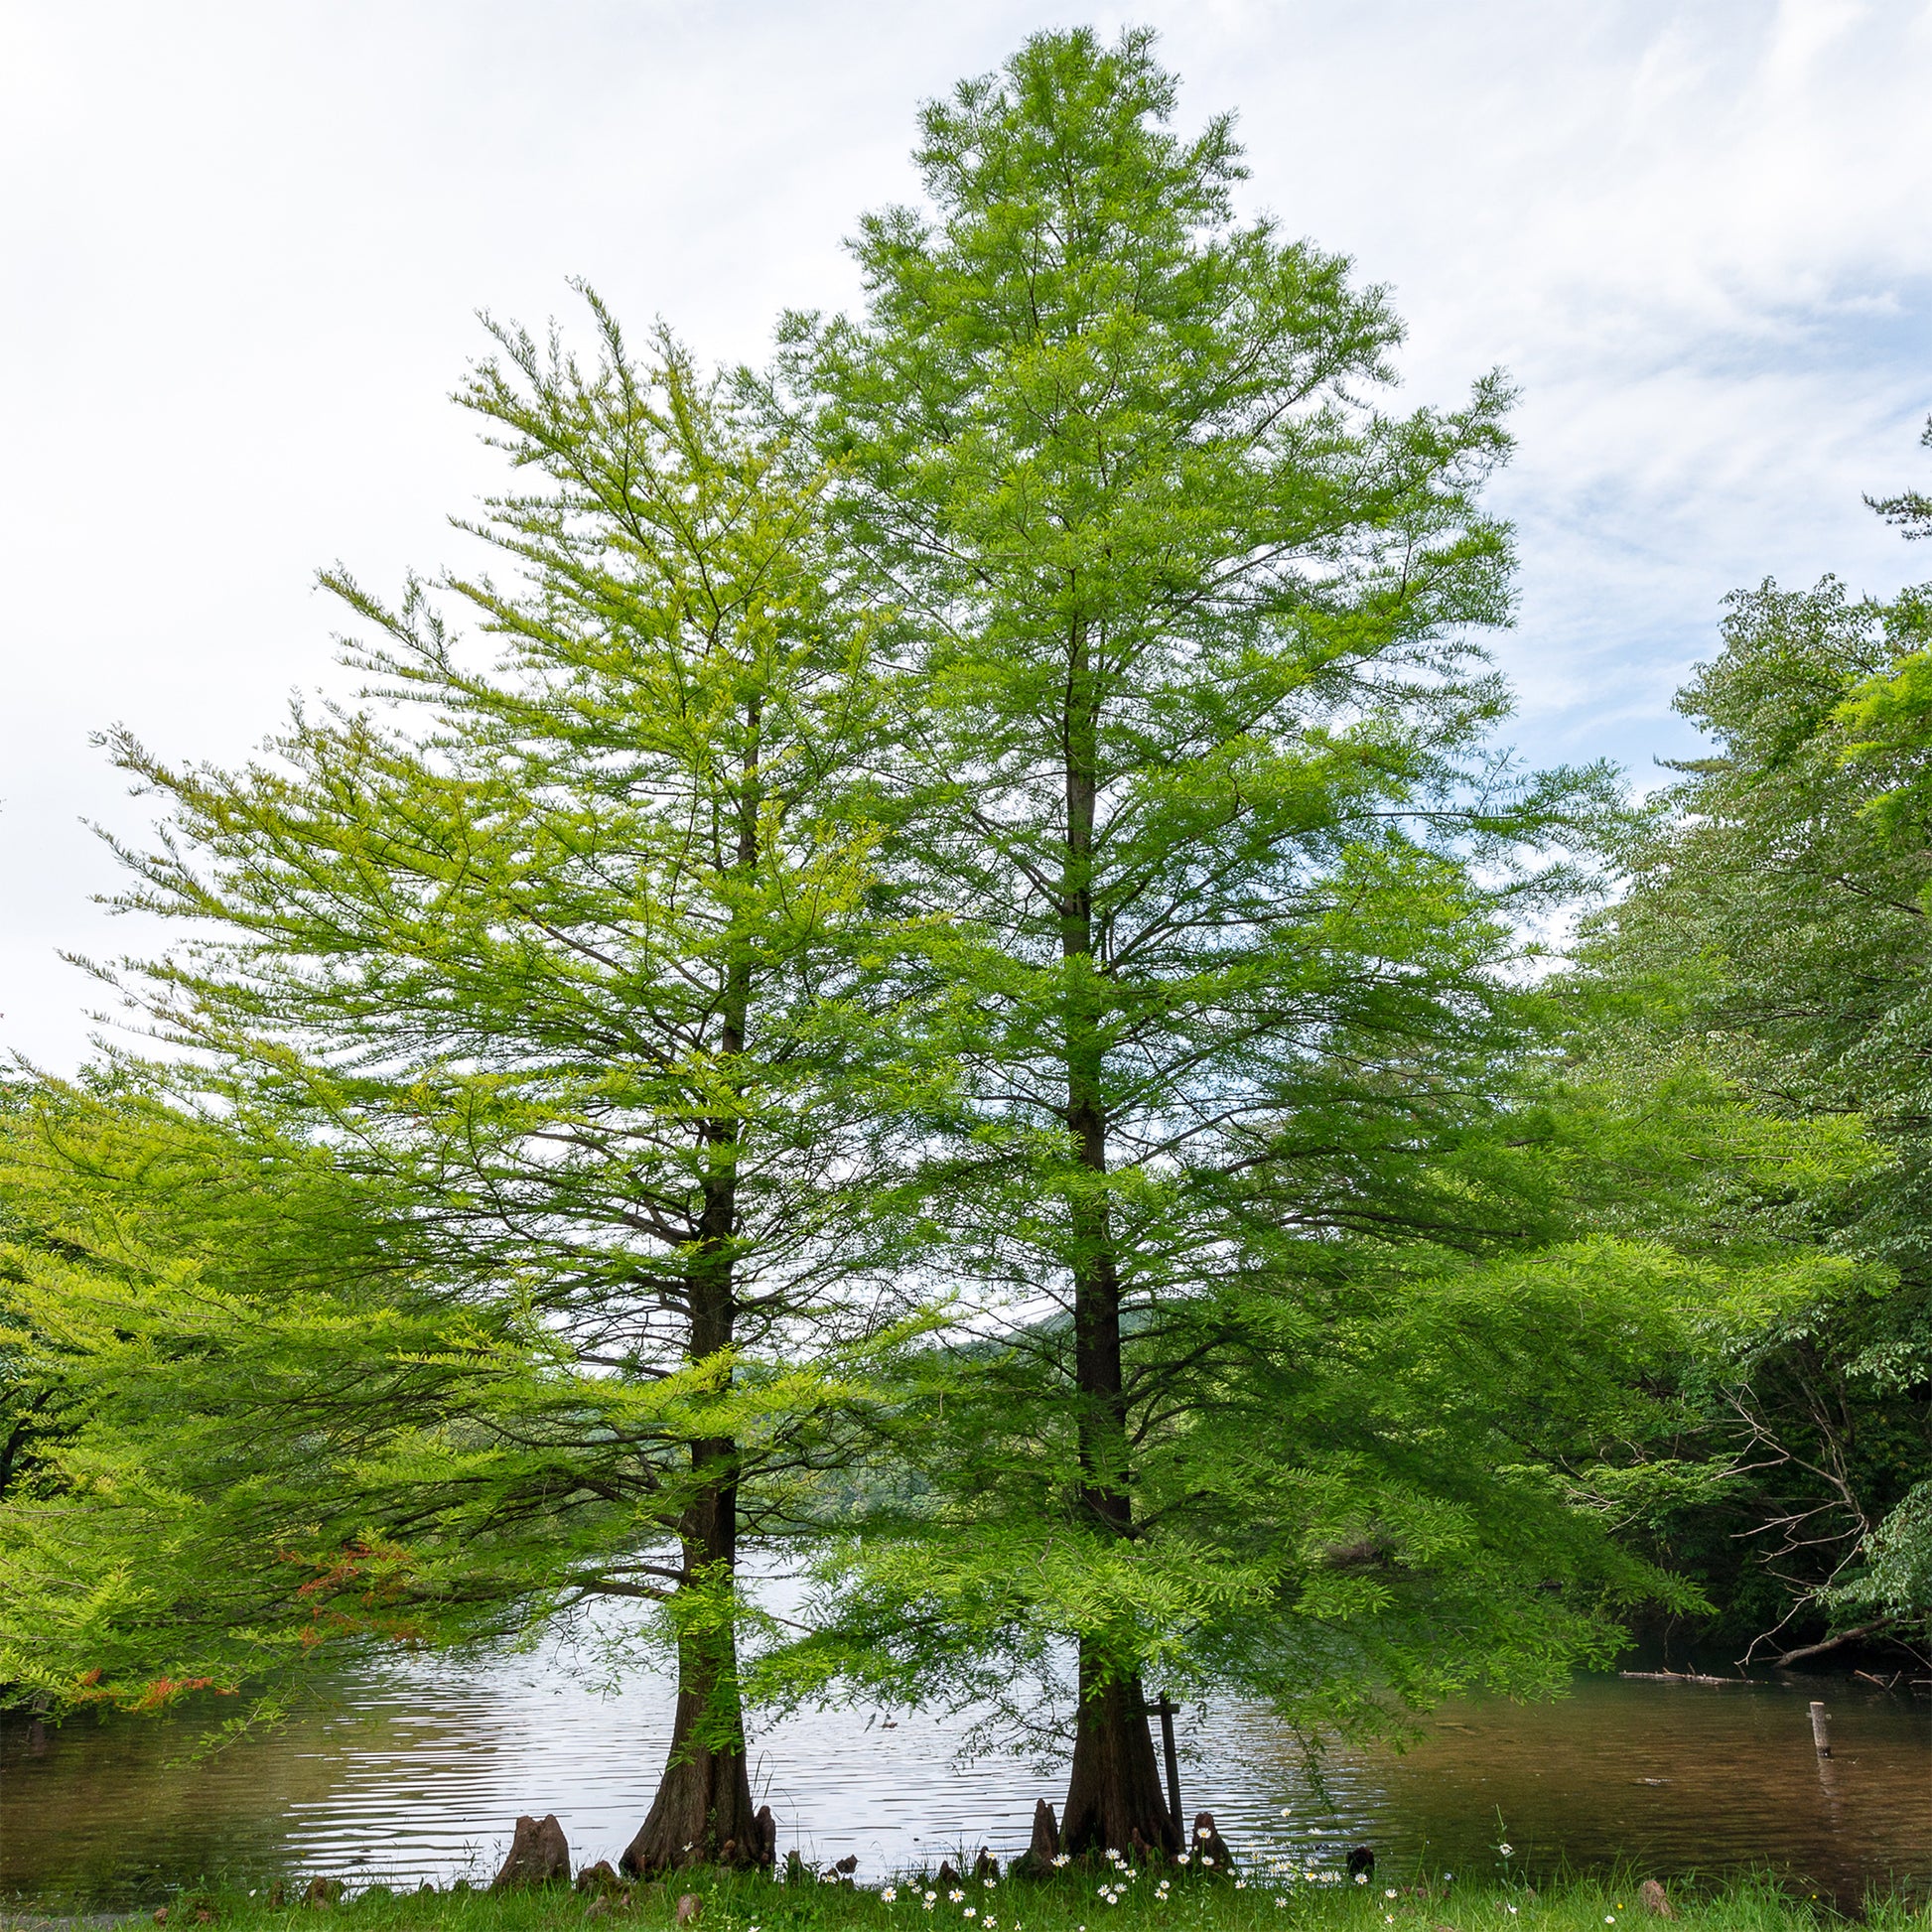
[(1361, 1877), (955, 1896), (1506, 1850), (889, 1894)]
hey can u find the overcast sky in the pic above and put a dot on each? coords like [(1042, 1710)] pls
[(241, 248)]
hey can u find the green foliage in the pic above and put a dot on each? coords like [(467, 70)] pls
[(1223, 886), (1001, 817), (33, 1400), (1773, 948), (1374, 1493), (286, 1440), (560, 973)]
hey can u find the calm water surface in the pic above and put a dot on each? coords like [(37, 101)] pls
[(419, 1772)]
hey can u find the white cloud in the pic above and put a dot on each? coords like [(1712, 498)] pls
[(241, 247)]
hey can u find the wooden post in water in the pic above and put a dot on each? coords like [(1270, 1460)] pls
[(1165, 1710), (1821, 1736)]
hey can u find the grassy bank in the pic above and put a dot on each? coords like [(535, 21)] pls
[(1072, 1901)]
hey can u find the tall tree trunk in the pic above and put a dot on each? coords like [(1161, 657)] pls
[(1113, 1794), (702, 1814)]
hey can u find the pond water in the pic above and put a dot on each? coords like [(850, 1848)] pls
[(418, 1772)]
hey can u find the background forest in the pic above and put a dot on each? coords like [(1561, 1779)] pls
[(935, 980)]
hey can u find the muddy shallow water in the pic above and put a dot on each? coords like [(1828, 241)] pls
[(418, 1772)]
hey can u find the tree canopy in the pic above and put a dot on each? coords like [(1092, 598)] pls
[(1198, 800), (573, 960), (949, 984), (1774, 936)]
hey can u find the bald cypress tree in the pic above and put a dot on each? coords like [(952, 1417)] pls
[(575, 952), (1196, 788)]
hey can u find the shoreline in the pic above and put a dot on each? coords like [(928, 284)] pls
[(1093, 1898)]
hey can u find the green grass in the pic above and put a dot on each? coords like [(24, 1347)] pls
[(1071, 1901)]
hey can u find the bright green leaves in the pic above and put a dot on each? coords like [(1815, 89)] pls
[(1765, 985), (947, 976), (1192, 781), (555, 991)]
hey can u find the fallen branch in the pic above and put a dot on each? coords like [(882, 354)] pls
[(1791, 1657), (1678, 1677)]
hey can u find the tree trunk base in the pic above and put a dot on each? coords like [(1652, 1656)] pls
[(1114, 1800), (702, 1814)]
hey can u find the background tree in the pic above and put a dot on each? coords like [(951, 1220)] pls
[(572, 952), (32, 1404), (1774, 939), (277, 1433), (1194, 791)]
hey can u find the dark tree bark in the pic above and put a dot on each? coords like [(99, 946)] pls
[(702, 1814), (1114, 1795)]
